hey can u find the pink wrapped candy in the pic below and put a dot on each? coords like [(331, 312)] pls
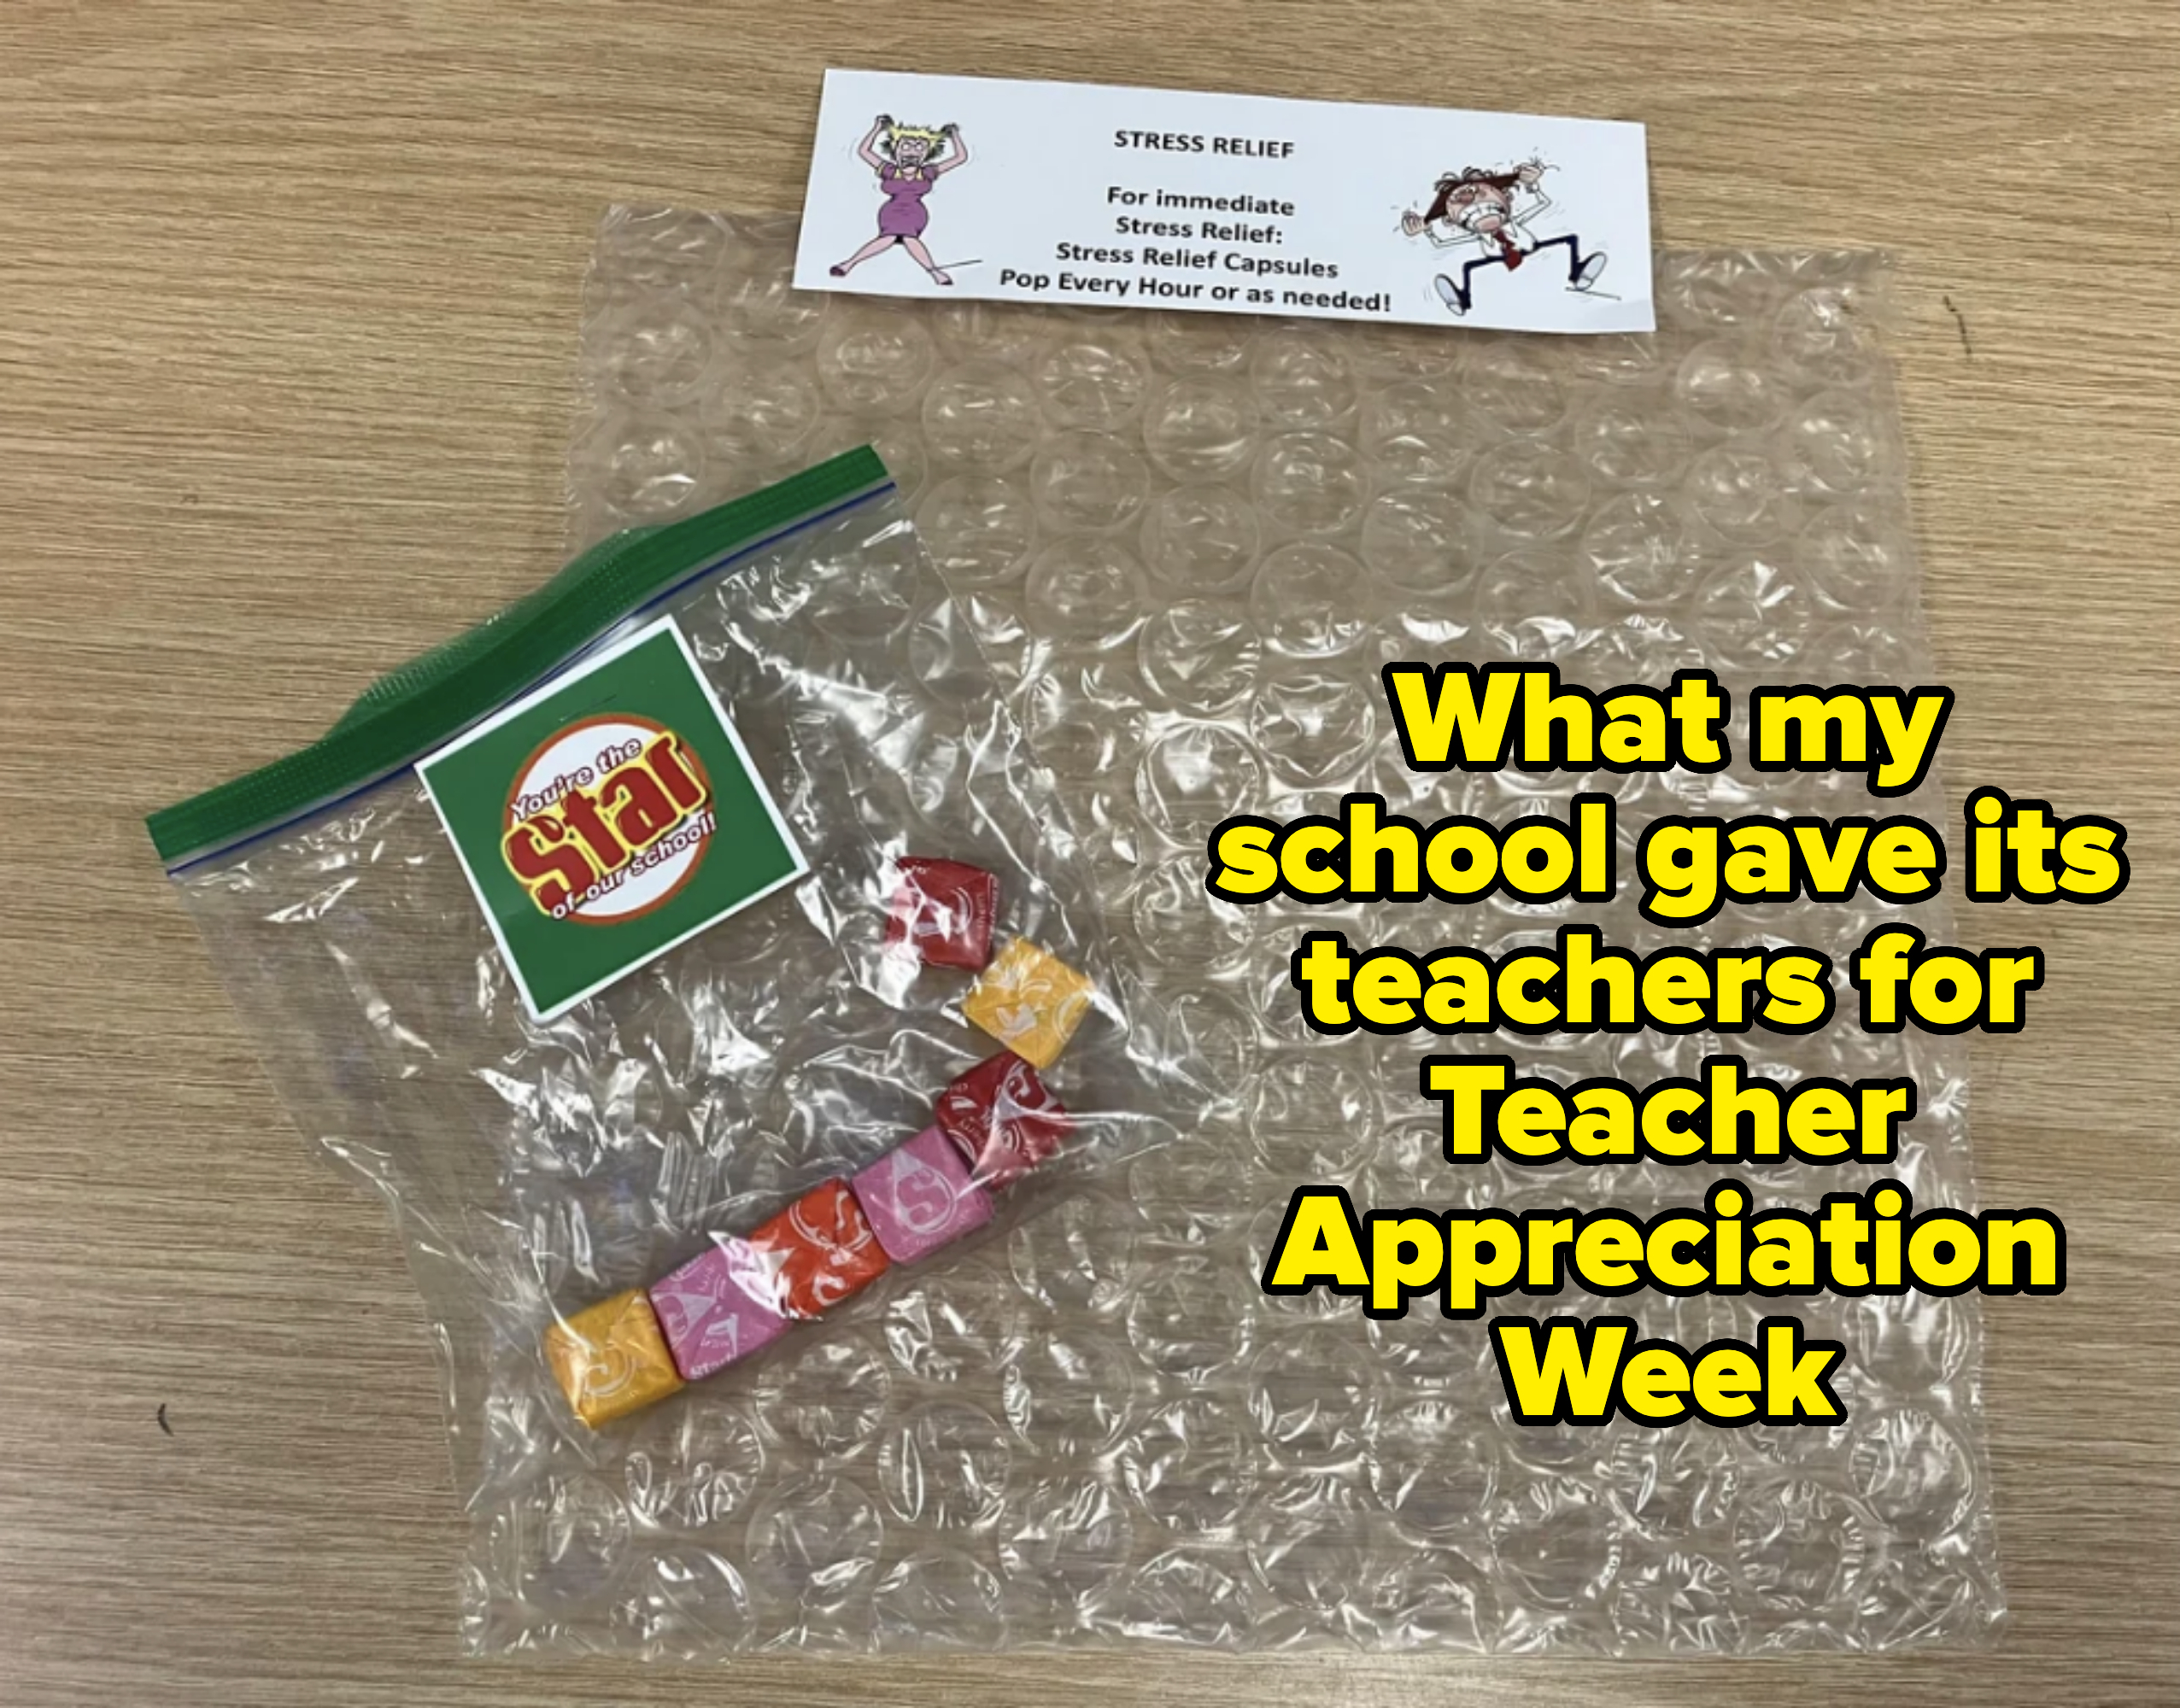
[(713, 1310), (919, 1197)]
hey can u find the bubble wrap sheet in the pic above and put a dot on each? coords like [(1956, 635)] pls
[(1190, 541)]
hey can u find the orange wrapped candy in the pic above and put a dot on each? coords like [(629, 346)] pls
[(819, 1250)]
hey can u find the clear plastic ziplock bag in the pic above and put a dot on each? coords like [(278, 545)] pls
[(685, 954)]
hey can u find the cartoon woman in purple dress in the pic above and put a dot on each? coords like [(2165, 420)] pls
[(913, 159)]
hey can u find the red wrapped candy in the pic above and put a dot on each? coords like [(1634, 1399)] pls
[(1002, 1118), (945, 911), (819, 1250)]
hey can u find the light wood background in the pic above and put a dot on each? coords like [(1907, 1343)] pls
[(287, 317)]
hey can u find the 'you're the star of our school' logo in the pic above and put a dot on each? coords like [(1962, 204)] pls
[(608, 817), (607, 820)]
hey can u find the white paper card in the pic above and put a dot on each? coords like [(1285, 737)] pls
[(1155, 198)]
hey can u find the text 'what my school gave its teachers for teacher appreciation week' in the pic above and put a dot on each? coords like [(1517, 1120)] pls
[(1690, 866)]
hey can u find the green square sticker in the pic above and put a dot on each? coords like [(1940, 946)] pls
[(608, 816)]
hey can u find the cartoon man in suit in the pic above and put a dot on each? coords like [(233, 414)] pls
[(1476, 207)]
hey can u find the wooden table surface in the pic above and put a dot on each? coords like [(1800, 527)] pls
[(287, 317)]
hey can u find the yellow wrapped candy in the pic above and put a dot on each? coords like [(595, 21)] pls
[(611, 1360), (1030, 1001)]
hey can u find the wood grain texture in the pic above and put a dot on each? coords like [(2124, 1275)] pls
[(287, 306)]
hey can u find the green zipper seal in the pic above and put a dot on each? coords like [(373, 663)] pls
[(428, 701)]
